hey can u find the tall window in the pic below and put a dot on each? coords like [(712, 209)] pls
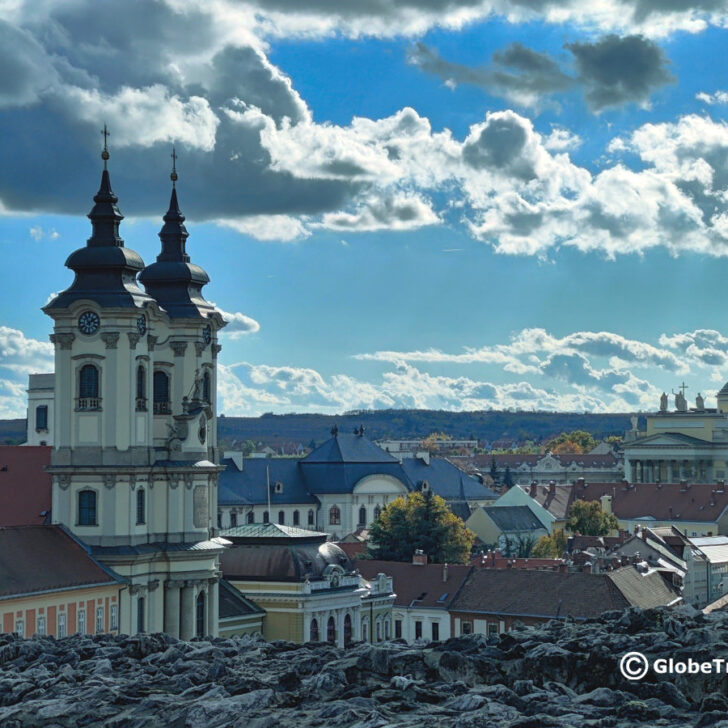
[(99, 619), (379, 630), (141, 389), (365, 631), (200, 615), (296, 518), (140, 614), (20, 627), (62, 625), (334, 516), (41, 417), (81, 621), (40, 626), (362, 516), (206, 387), (311, 518), (265, 517), (314, 631), (386, 628), (161, 393), (347, 630), (331, 631), (377, 511), (114, 616), (88, 388), (418, 630), (435, 631), (141, 506), (281, 517), (87, 508), (233, 519), (398, 629), (251, 517)]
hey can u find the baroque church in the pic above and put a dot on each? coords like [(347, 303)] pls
[(134, 424)]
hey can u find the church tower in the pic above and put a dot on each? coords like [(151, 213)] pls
[(133, 464)]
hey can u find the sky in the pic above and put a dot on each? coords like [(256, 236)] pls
[(448, 204)]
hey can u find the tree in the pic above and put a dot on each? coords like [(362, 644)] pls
[(508, 478), (588, 519), (575, 441), (493, 470), (420, 521), (550, 547), (520, 547), (247, 447), (432, 442)]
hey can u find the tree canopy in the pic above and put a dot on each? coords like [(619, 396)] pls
[(588, 519), (576, 441), (420, 521), (550, 547)]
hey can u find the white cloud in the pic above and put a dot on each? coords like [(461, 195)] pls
[(717, 97), (398, 212), (238, 324), (280, 228)]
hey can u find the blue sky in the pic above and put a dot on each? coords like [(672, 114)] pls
[(457, 204)]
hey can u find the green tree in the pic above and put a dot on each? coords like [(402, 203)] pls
[(508, 478), (247, 447), (588, 519), (420, 521), (520, 547), (576, 441), (493, 470), (550, 547)]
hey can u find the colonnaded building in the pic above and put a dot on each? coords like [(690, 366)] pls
[(134, 426)]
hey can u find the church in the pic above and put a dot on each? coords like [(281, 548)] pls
[(133, 467)]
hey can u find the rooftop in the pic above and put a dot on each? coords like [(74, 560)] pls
[(25, 486)]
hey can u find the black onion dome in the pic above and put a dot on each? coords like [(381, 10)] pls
[(173, 281), (105, 270)]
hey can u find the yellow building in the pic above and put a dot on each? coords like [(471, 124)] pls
[(50, 585)]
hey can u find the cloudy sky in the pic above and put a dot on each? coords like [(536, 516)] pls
[(456, 204)]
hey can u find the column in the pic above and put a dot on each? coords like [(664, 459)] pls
[(171, 608), (339, 627), (212, 615), (187, 615), (628, 470)]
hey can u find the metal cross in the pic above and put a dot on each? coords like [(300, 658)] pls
[(106, 133), (174, 159)]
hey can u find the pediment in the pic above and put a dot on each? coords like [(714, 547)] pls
[(671, 439)]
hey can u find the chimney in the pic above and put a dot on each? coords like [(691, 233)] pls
[(606, 502), (552, 487), (444, 573), (534, 488), (419, 558)]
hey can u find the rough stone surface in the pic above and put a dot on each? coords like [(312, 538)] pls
[(560, 674)]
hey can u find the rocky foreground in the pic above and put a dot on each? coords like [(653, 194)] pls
[(561, 674)]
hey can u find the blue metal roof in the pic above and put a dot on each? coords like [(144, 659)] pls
[(446, 480), (249, 485), (349, 448)]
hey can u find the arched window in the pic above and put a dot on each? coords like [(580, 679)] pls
[(379, 630), (233, 519), (87, 508), (314, 631), (141, 389), (265, 517), (365, 631), (200, 615), (377, 511), (281, 517), (88, 387), (251, 517), (386, 628), (140, 614), (206, 387), (161, 393), (296, 518), (311, 518), (362, 516), (331, 631), (141, 507), (334, 516), (347, 630)]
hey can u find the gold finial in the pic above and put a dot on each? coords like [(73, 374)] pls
[(105, 154), (173, 176)]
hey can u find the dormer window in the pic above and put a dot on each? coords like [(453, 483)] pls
[(278, 487)]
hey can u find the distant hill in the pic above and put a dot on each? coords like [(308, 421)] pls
[(405, 424)]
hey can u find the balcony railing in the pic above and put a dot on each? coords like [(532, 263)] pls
[(88, 403), (162, 408), (141, 404)]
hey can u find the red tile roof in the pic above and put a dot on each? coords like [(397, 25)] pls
[(37, 559), (418, 585), (492, 560), (352, 549), (661, 501), (25, 487)]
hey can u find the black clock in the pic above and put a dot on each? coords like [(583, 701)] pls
[(142, 325), (207, 334), (88, 322)]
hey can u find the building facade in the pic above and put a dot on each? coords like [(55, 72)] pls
[(134, 422)]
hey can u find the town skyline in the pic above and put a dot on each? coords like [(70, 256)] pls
[(459, 208)]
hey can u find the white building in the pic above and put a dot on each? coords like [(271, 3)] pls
[(134, 424), (41, 389)]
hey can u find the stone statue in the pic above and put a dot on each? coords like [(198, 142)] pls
[(699, 402), (633, 421), (663, 403)]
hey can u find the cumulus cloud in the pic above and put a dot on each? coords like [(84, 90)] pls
[(238, 324), (396, 212), (717, 97)]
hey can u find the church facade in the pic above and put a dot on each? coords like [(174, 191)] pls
[(134, 423)]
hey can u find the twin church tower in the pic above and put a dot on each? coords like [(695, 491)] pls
[(134, 459)]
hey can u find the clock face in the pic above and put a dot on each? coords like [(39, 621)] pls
[(88, 322), (207, 334), (142, 325)]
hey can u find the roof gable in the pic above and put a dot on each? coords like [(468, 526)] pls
[(349, 448)]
